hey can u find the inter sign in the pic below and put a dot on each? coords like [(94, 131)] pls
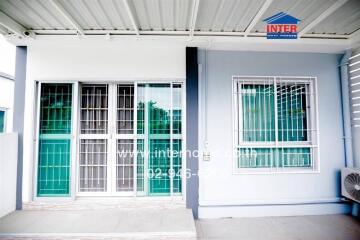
[(281, 26)]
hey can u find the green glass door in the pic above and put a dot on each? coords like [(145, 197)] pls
[(53, 178), (159, 133)]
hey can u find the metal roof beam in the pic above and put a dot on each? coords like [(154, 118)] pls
[(60, 8), (182, 33), (3, 29), (257, 17), (12, 25), (194, 14), (322, 16), (132, 17)]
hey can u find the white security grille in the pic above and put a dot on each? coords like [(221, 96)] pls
[(125, 109), (93, 165), (275, 123), (125, 165), (125, 138), (94, 109)]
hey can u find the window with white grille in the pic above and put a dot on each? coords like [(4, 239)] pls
[(275, 126)]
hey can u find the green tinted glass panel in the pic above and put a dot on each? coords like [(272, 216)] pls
[(272, 157), (291, 109), (159, 105), (258, 112), (140, 165), (53, 167), (2, 121), (159, 166), (177, 161), (141, 109), (54, 140), (156, 104), (55, 110)]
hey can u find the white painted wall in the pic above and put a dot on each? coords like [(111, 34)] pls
[(93, 61), (8, 165), (7, 101)]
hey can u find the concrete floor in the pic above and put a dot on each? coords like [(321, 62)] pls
[(326, 227), (171, 224), (99, 224)]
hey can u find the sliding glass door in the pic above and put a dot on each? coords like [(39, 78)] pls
[(123, 139)]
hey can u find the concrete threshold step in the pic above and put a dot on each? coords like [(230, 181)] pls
[(124, 203), (99, 224)]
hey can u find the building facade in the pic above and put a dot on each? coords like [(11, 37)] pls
[(230, 108), (113, 121)]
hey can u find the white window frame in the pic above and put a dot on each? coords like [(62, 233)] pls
[(312, 119)]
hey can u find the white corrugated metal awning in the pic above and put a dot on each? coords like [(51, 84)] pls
[(321, 19)]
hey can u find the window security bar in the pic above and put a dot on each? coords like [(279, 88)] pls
[(275, 125)]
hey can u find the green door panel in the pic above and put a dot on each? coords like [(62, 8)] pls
[(54, 167), (54, 140)]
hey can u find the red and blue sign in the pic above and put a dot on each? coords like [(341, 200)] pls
[(281, 26)]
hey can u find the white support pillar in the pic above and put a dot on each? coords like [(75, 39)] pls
[(18, 121)]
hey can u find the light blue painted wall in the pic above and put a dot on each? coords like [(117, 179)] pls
[(226, 188)]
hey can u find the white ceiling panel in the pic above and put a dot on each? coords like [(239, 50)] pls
[(304, 10), (226, 15), (163, 15), (34, 14), (99, 15), (345, 20)]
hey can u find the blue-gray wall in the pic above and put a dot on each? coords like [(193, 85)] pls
[(226, 188)]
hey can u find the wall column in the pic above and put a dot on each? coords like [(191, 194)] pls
[(18, 119), (192, 163)]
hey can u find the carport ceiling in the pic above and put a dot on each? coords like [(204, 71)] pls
[(325, 19)]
